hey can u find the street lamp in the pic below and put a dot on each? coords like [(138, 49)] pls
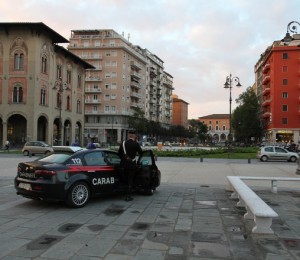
[(60, 86), (228, 85), (292, 29)]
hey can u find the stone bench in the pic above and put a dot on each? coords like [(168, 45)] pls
[(257, 209), (273, 180)]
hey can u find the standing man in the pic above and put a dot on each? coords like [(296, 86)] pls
[(128, 151)]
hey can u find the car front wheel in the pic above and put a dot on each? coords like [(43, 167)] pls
[(78, 195), (264, 158), (149, 191), (293, 159)]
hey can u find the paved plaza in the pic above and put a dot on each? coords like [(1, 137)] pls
[(190, 216)]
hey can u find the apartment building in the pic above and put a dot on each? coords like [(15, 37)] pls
[(126, 77), (180, 112), (277, 84), (218, 126), (41, 86)]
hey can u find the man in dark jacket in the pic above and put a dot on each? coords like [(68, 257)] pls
[(128, 151)]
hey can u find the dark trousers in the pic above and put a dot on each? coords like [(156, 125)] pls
[(130, 169)]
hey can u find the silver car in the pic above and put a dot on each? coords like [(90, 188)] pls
[(36, 147), (266, 153)]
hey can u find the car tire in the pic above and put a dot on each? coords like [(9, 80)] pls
[(25, 153), (78, 195), (293, 159), (264, 158)]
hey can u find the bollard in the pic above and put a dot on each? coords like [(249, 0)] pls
[(249, 160), (201, 159), (30, 155)]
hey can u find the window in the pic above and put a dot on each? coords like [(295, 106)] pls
[(86, 44), (107, 75), (44, 65), (58, 72), (113, 85), (78, 106), (79, 81), (284, 108), (106, 109), (107, 53), (58, 100), (18, 94), (43, 96), (107, 97), (224, 127), (217, 127), (68, 103), (284, 121), (113, 108), (107, 86), (284, 81), (19, 61), (284, 55), (284, 95), (69, 76)]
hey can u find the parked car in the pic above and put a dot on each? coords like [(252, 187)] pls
[(266, 153), (76, 178), (66, 149), (36, 147)]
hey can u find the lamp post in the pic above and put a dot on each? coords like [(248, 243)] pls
[(228, 85), (292, 29)]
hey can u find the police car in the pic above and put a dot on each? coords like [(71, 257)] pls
[(75, 178)]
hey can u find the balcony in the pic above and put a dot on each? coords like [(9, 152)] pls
[(91, 57), (135, 84), (267, 114), (90, 111), (92, 101), (93, 90), (266, 68), (136, 65), (91, 78), (266, 102), (136, 75), (266, 90), (266, 80)]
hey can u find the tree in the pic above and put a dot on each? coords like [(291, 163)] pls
[(198, 130), (245, 120), (138, 121)]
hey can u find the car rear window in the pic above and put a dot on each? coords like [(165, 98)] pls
[(55, 158), (269, 149)]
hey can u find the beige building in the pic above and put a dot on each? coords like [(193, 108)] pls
[(41, 86), (126, 77)]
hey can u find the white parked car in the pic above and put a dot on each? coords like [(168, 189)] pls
[(266, 153)]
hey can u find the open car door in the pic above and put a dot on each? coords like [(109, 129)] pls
[(148, 175)]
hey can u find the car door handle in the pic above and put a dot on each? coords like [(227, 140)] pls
[(91, 171)]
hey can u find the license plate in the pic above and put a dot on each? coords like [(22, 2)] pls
[(25, 186)]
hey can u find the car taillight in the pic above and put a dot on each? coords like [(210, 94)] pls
[(45, 172)]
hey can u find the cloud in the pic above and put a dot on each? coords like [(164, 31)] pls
[(201, 42)]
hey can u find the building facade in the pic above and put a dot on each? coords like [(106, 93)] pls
[(41, 86), (180, 112), (277, 86), (126, 77), (218, 127)]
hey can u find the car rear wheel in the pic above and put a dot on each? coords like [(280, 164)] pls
[(78, 195), (25, 153), (264, 158), (293, 159)]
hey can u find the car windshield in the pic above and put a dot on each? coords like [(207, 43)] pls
[(54, 158)]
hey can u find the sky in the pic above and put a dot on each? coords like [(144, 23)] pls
[(200, 41)]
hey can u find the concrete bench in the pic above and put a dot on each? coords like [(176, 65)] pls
[(257, 209), (273, 180)]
